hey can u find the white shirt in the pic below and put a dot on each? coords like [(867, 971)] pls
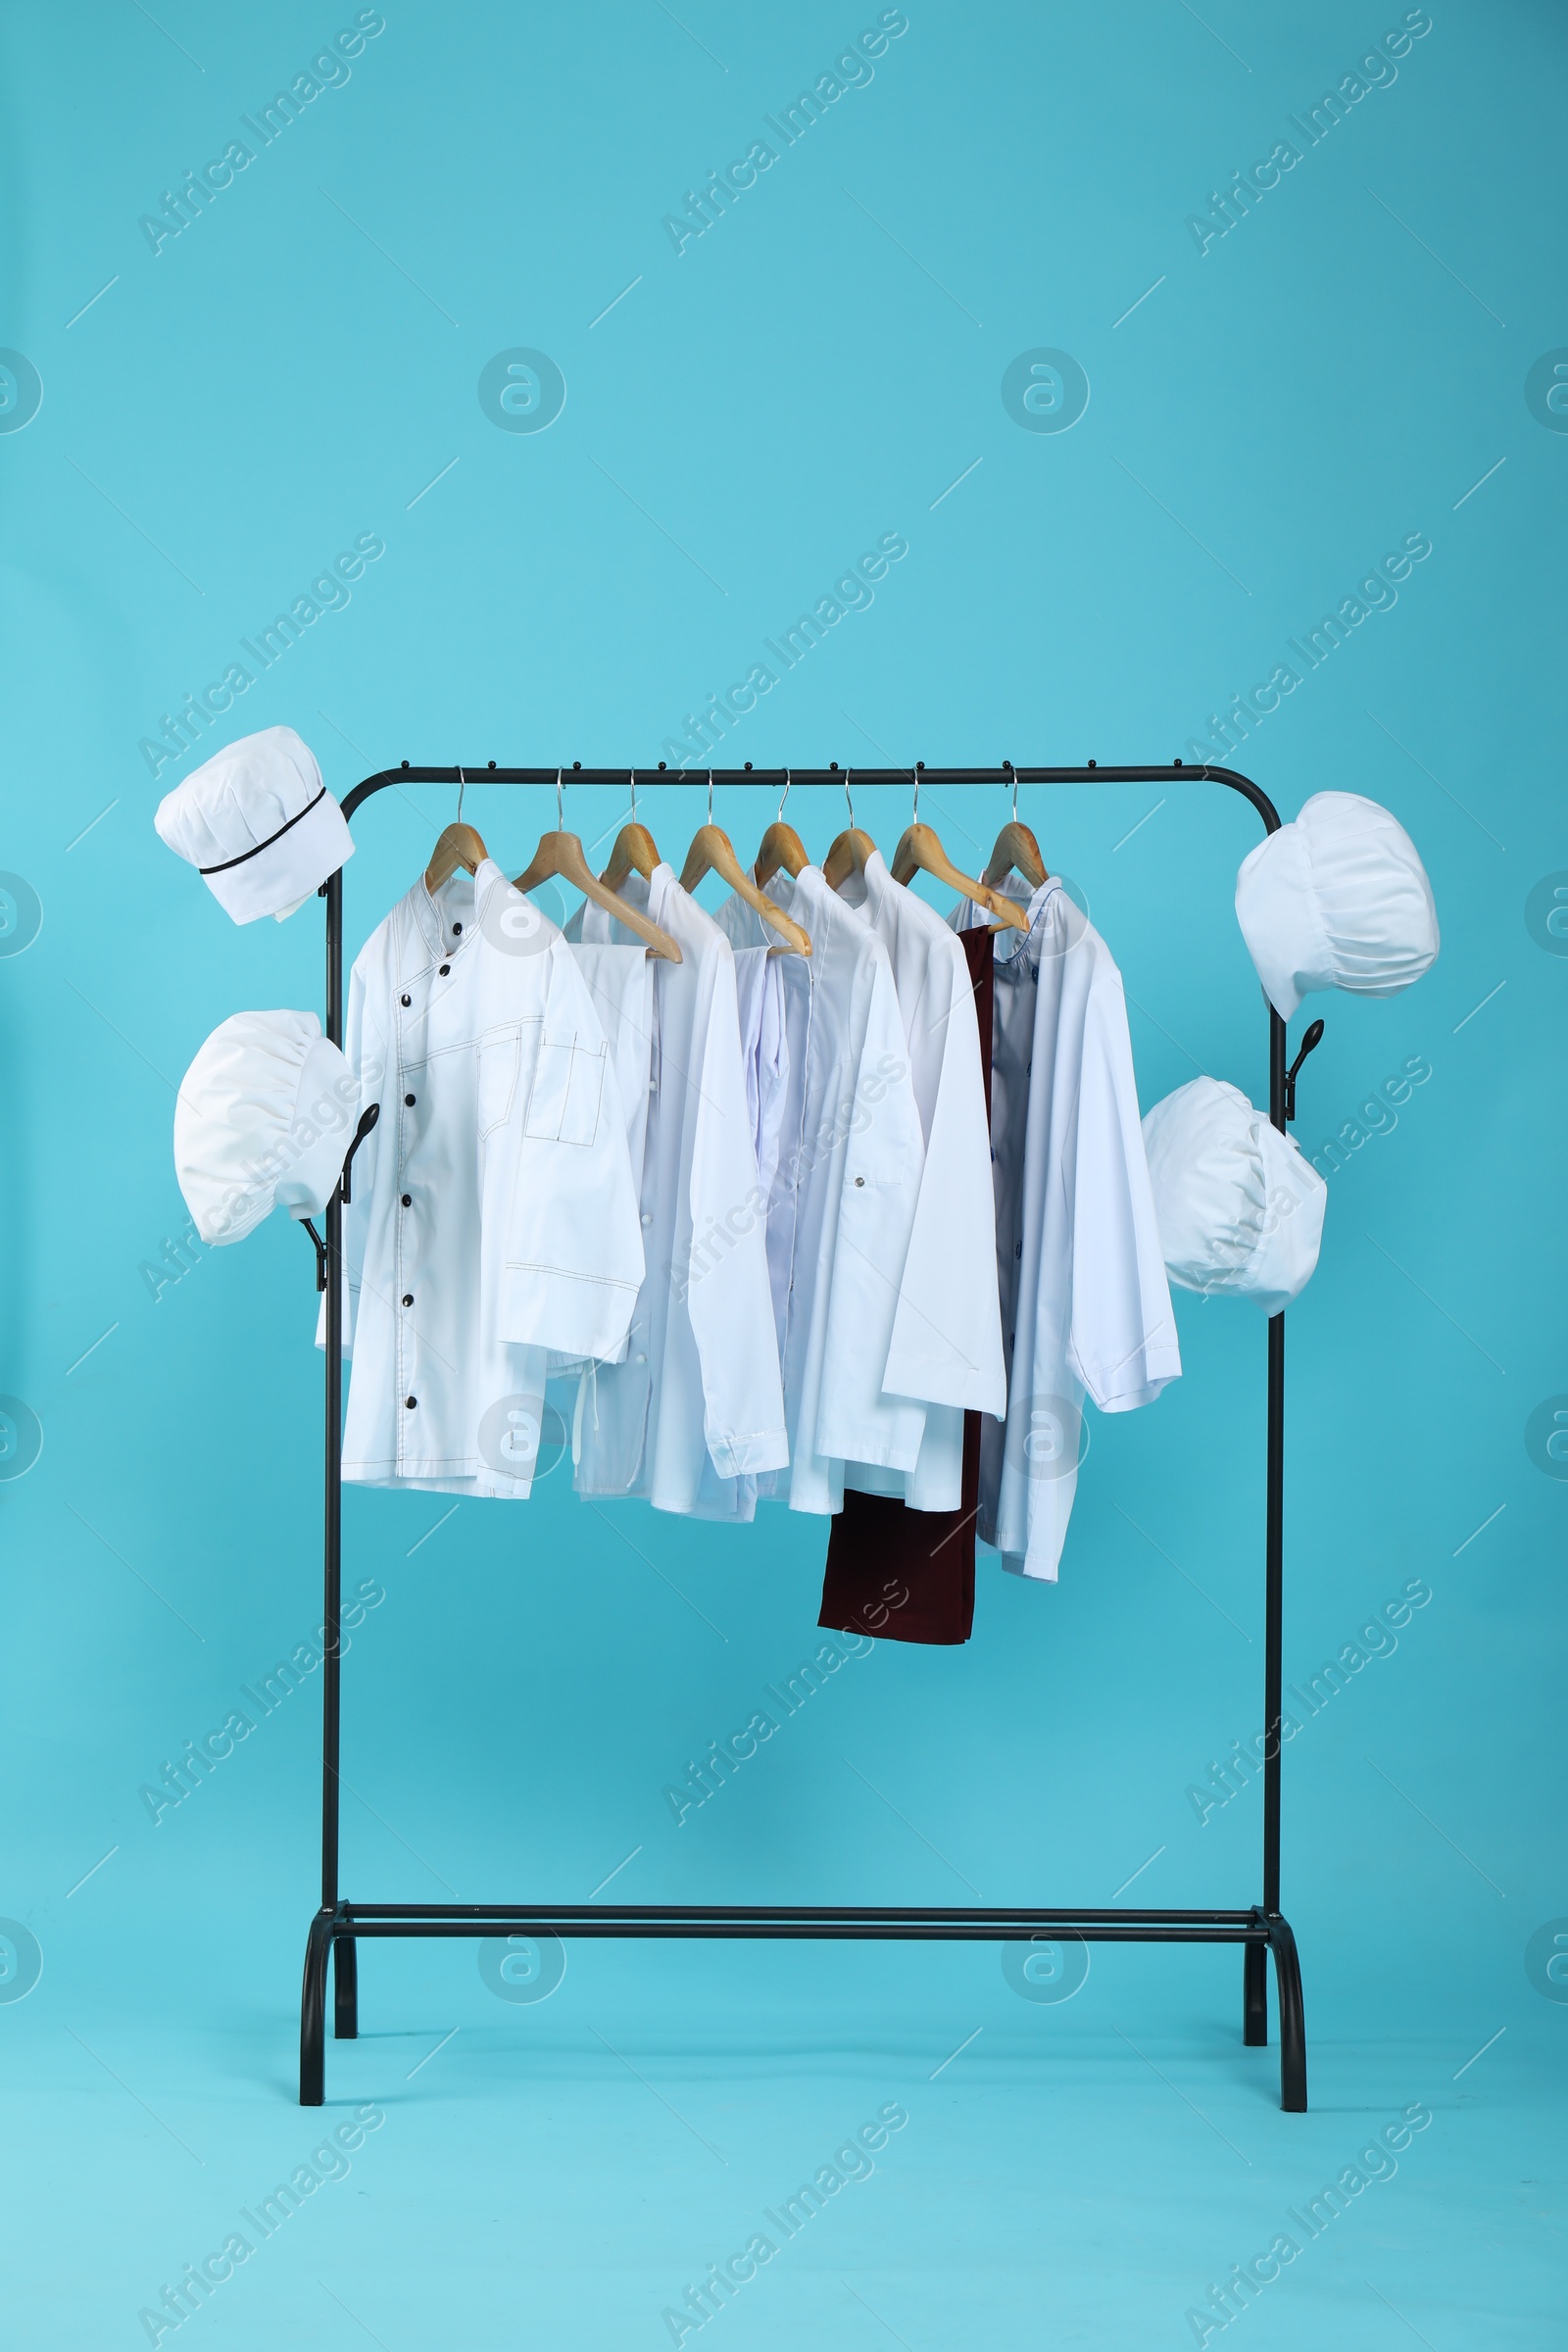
[(492, 1217), (697, 1410), (946, 1337), (1085, 1303), (764, 1054), (843, 1204)]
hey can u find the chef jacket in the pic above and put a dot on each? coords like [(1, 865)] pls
[(492, 1217), (843, 1204), (697, 1410), (1085, 1305), (764, 1054), (621, 982), (946, 1336)]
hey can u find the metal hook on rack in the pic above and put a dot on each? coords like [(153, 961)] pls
[(560, 819), (462, 787), (1010, 770), (784, 796), (710, 796), (1312, 1038), (847, 802), (915, 811), (632, 778)]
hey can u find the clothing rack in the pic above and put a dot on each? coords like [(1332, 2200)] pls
[(339, 1924)]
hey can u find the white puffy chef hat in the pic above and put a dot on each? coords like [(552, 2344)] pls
[(1239, 1209), (1338, 898), (258, 824), (264, 1114)]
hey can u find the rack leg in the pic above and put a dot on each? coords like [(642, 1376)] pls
[(345, 1988), (312, 2012), (1254, 1995), (1292, 2021)]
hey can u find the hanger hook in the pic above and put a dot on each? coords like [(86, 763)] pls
[(461, 786), (709, 796), (848, 799), (634, 796), (915, 812), (784, 796), (559, 821), (1013, 774)]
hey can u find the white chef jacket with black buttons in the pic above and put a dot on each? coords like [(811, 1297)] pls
[(843, 1204), (696, 1411), (947, 1338), (1085, 1303), (492, 1218)]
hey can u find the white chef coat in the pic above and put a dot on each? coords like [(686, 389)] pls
[(492, 1217), (946, 1336), (697, 1410), (843, 1204), (1085, 1305), (764, 1054)]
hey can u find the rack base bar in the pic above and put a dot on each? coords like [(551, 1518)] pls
[(335, 1933)]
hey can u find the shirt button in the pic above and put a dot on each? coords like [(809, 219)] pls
[(639, 1360), (408, 1100), (407, 999), (408, 1297), (860, 1180), (411, 1403), (408, 1200), (445, 968), (457, 930), (647, 1219)]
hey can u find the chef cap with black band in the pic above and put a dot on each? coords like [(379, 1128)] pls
[(1340, 899), (258, 824)]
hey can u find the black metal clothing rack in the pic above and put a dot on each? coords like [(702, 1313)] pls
[(340, 1924)]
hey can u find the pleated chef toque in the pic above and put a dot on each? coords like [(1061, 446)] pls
[(1239, 1209), (265, 1116), (1340, 899), (258, 824)]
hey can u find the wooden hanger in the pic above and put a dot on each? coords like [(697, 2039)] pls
[(849, 853), (1017, 851), (458, 845), (635, 852), (562, 854), (922, 853), (782, 848), (713, 852)]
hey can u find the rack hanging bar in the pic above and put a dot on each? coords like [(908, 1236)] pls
[(338, 1925)]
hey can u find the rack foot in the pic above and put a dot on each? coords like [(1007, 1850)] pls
[(1292, 2021), (345, 1988), (1254, 1995), (312, 2012)]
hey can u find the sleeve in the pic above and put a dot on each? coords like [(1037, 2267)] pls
[(567, 1263), (1123, 1332), (946, 1331), (730, 1305), (874, 1214)]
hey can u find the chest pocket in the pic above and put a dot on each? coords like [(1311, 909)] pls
[(566, 1094), (500, 1057)]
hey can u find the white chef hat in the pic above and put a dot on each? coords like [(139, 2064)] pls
[(264, 1114), (1340, 899), (258, 824), (1237, 1207)]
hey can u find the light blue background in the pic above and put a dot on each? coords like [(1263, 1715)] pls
[(300, 366)]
